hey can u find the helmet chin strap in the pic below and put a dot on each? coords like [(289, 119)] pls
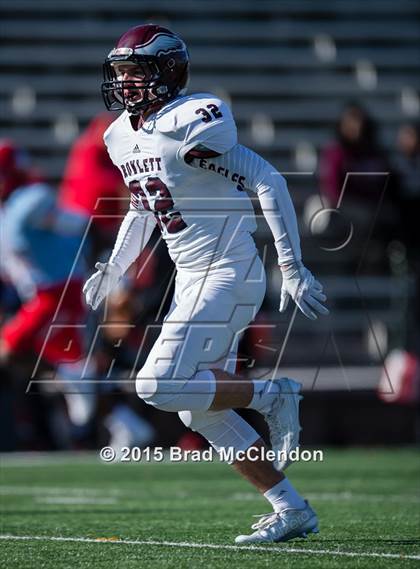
[(144, 111), (146, 106)]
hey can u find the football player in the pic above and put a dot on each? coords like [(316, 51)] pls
[(179, 157), (40, 242)]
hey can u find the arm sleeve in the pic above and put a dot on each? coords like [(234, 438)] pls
[(138, 224), (134, 233), (271, 187)]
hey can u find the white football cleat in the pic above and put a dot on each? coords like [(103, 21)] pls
[(283, 421), (282, 526)]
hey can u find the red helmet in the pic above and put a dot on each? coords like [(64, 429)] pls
[(15, 169), (162, 60), (12, 172)]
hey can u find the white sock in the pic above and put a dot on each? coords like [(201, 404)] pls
[(264, 393), (283, 496)]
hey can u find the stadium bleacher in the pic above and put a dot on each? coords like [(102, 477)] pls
[(261, 55), (294, 63)]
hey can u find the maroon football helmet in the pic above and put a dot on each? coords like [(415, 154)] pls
[(156, 62)]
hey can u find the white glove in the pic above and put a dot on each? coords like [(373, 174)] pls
[(306, 291), (101, 283)]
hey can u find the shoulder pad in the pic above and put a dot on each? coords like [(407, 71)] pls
[(113, 135), (113, 127), (199, 119), (183, 111)]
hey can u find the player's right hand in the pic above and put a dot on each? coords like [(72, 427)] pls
[(101, 283)]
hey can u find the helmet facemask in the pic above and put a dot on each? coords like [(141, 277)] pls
[(134, 95)]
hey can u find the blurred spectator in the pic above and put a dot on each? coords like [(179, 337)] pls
[(116, 353), (355, 150), (355, 177), (92, 185), (406, 166)]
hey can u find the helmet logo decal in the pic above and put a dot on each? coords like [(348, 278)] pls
[(159, 44)]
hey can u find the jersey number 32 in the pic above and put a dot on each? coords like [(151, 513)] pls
[(159, 201)]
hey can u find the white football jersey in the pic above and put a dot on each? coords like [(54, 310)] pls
[(203, 218)]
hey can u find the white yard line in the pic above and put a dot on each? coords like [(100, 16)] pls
[(84, 458), (113, 493), (270, 549), (75, 500), (11, 490), (334, 496), (43, 459)]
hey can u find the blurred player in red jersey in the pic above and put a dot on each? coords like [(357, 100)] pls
[(40, 258), (92, 185)]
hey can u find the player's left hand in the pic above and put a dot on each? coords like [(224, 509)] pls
[(300, 284)]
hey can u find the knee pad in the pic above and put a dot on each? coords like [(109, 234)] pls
[(223, 429), (196, 393)]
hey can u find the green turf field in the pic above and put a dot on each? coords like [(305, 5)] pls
[(368, 503)]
